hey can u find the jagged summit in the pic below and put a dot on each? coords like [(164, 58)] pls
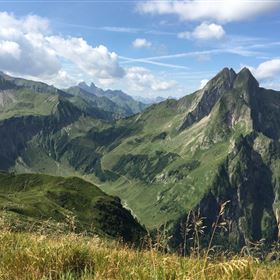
[(226, 81), (89, 87), (92, 85), (209, 95), (246, 79), (245, 72), (115, 101), (227, 74), (82, 84)]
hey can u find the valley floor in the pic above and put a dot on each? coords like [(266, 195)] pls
[(67, 257)]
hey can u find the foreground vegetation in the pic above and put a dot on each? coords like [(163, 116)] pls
[(72, 256)]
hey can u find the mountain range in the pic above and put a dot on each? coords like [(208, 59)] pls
[(116, 101), (219, 144)]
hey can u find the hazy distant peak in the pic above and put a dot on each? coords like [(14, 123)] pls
[(92, 85)]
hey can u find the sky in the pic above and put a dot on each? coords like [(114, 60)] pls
[(145, 48)]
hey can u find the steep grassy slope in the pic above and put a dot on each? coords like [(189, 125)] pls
[(30, 200)]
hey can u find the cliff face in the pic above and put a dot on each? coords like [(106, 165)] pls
[(248, 178), (245, 181), (209, 95)]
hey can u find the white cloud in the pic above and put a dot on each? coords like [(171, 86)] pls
[(23, 50), (267, 70), (28, 48), (204, 31), (61, 79), (219, 10), (141, 79), (207, 31), (9, 48), (203, 83), (141, 43), (98, 61)]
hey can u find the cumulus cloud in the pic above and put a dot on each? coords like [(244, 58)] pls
[(219, 10), (61, 79), (98, 61), (28, 48), (141, 43), (9, 48), (141, 79), (204, 31), (267, 70), (22, 48)]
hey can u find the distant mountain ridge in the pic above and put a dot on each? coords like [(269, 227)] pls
[(150, 100), (121, 103), (112, 104)]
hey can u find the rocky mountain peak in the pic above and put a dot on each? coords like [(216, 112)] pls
[(209, 95), (225, 77), (93, 86), (83, 85), (246, 78)]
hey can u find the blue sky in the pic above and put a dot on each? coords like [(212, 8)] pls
[(147, 48)]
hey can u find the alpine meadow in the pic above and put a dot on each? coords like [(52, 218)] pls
[(139, 140)]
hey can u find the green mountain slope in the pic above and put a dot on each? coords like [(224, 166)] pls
[(202, 132), (28, 200), (213, 145)]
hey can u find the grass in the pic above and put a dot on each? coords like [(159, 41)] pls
[(36, 256), (24, 102), (58, 255)]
